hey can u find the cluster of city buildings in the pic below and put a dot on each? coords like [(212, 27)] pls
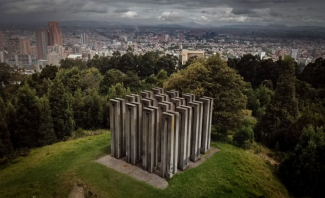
[(32, 48)]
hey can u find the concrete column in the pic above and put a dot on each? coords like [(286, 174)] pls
[(144, 94), (122, 128), (183, 101), (172, 94), (176, 138), (156, 135), (157, 90), (205, 125), (183, 162), (116, 134), (146, 102), (167, 142), (196, 131), (139, 129), (210, 120), (189, 132), (130, 98), (131, 133), (177, 102), (160, 98), (148, 139), (188, 98), (171, 105), (137, 97)]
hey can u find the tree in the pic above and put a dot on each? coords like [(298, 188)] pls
[(90, 79), (69, 63), (167, 63), (94, 106), (71, 78), (27, 117), (6, 73), (46, 130), (79, 113), (128, 62), (61, 110), (111, 78), (118, 91), (303, 170), (161, 78), (282, 111), (132, 81), (49, 72), (5, 143), (213, 78), (147, 64), (245, 136), (11, 122)]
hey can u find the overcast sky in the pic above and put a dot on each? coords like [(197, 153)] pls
[(214, 12)]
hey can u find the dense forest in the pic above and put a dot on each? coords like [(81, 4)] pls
[(288, 105)]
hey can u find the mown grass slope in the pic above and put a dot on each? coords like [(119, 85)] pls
[(52, 171)]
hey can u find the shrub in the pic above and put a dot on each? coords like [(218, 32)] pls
[(245, 136)]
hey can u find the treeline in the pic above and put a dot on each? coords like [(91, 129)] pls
[(47, 107), (289, 107)]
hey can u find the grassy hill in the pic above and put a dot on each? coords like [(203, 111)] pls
[(52, 171)]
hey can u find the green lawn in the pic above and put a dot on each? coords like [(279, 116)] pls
[(53, 170)]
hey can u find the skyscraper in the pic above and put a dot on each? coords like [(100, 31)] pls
[(55, 36), (13, 47), (84, 39), (41, 36), (294, 53), (25, 47), (2, 47)]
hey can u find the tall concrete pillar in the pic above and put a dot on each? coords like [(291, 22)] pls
[(168, 145), (206, 129), (160, 98), (116, 133), (172, 94), (210, 120), (146, 102), (137, 97), (183, 161), (156, 135), (144, 94), (189, 132), (188, 98), (196, 130), (139, 129), (176, 138), (122, 128), (148, 139), (130, 98), (131, 135), (177, 102)]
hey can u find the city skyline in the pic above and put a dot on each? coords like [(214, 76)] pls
[(206, 12)]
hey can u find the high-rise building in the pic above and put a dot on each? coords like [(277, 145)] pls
[(13, 47), (55, 36), (2, 47), (41, 36), (294, 53), (25, 47), (84, 39), (261, 54)]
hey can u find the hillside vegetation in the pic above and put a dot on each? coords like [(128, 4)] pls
[(52, 171)]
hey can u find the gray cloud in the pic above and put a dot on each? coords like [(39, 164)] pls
[(214, 12)]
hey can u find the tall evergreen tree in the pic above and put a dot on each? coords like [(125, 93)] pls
[(61, 110), (11, 122), (79, 113), (5, 143), (46, 131), (28, 117), (282, 111)]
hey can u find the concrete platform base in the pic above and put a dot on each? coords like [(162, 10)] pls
[(150, 178)]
